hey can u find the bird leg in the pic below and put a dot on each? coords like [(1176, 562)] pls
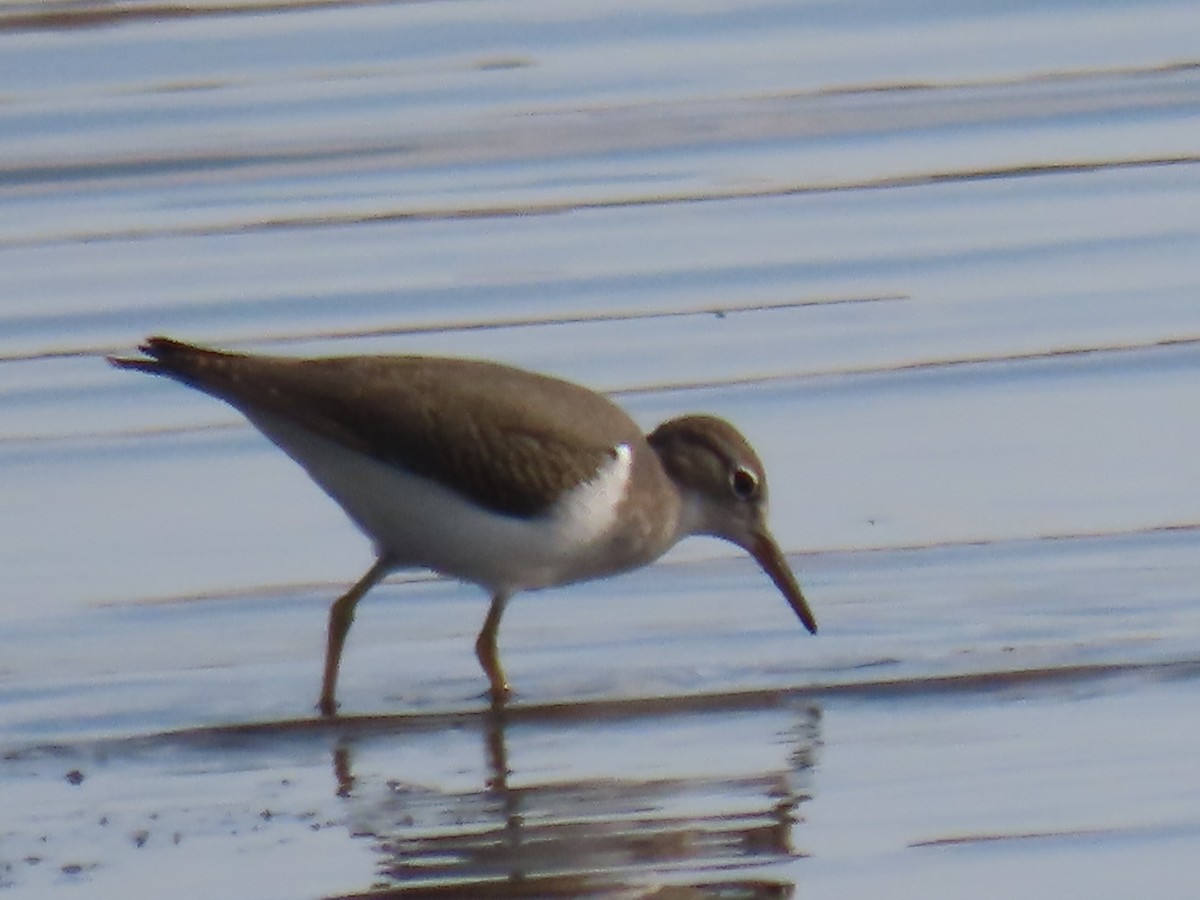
[(341, 615), (485, 650)]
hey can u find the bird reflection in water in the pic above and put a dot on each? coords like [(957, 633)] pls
[(670, 836)]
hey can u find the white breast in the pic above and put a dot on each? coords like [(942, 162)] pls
[(419, 523), (586, 513)]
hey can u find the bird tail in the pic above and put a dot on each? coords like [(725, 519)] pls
[(168, 357)]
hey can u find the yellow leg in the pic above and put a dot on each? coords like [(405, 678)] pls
[(485, 649), (341, 615)]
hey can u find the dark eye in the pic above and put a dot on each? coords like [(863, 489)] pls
[(744, 483)]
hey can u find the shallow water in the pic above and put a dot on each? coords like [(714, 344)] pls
[(937, 260)]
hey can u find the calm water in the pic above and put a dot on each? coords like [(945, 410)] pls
[(938, 260)]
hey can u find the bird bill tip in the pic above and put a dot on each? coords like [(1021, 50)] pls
[(772, 561)]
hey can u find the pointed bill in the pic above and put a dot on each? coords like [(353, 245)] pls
[(768, 555)]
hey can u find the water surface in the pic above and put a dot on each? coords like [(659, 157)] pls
[(936, 259)]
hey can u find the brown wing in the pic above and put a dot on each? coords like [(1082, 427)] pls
[(507, 439)]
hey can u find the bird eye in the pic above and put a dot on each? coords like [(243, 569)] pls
[(744, 483)]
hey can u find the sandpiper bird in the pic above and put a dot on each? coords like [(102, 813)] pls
[(488, 474)]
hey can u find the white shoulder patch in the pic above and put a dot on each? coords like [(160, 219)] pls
[(589, 510)]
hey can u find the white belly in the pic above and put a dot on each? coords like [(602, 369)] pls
[(417, 522)]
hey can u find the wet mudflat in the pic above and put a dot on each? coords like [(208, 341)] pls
[(936, 260)]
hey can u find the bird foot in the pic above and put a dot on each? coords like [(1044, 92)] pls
[(327, 707), (498, 695)]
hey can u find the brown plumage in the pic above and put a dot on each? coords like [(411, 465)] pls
[(488, 473)]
